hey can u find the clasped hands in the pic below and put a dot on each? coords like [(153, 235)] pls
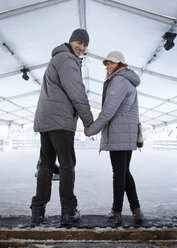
[(85, 131)]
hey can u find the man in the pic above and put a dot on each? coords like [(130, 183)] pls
[(61, 101)]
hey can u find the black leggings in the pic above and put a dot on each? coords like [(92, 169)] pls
[(123, 180)]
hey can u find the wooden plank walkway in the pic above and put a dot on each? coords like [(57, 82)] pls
[(92, 231), (24, 238), (88, 221)]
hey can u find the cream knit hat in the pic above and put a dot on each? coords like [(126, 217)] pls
[(115, 56)]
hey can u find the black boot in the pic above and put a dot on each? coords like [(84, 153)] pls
[(70, 217), (38, 214)]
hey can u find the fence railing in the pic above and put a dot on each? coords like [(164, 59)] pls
[(164, 144), (16, 144), (6, 144)]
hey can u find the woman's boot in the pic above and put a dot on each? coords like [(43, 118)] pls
[(138, 215), (114, 217)]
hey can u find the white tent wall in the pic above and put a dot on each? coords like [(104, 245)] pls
[(158, 6), (116, 29), (29, 30)]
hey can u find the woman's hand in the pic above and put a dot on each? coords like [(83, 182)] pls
[(85, 131)]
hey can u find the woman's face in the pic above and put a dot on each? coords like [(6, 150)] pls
[(110, 66)]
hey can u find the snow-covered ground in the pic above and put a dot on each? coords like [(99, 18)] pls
[(155, 173)]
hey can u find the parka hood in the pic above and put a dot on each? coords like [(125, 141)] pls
[(59, 49), (129, 74)]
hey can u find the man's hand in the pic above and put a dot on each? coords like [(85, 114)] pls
[(85, 131)]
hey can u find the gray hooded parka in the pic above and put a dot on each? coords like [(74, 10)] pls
[(62, 98), (119, 117)]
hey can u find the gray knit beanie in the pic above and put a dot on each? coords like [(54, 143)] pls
[(80, 35)]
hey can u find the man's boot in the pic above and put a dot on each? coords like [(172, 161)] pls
[(70, 217), (38, 214)]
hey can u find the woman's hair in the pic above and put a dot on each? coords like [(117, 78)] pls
[(119, 66)]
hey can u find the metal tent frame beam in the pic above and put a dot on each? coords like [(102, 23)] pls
[(82, 14), (156, 74), (8, 123), (82, 17), (110, 3), (23, 95), (20, 107), (151, 15), (138, 11), (12, 113), (30, 7), (144, 94), (165, 123), (30, 68), (139, 69), (146, 109)]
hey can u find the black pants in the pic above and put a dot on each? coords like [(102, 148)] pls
[(123, 180), (59, 143)]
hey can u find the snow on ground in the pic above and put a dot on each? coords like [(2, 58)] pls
[(155, 173)]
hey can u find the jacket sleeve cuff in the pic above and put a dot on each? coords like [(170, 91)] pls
[(90, 132)]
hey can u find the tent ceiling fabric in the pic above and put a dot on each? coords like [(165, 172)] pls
[(30, 29)]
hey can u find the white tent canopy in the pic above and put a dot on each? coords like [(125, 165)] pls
[(30, 29)]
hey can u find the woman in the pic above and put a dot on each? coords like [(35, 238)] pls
[(118, 121)]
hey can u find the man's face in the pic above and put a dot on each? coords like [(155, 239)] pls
[(78, 47)]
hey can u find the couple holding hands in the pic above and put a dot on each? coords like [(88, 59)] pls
[(62, 100)]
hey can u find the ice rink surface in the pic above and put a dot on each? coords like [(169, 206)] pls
[(155, 174)]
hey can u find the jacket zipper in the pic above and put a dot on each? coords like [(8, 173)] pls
[(108, 132)]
